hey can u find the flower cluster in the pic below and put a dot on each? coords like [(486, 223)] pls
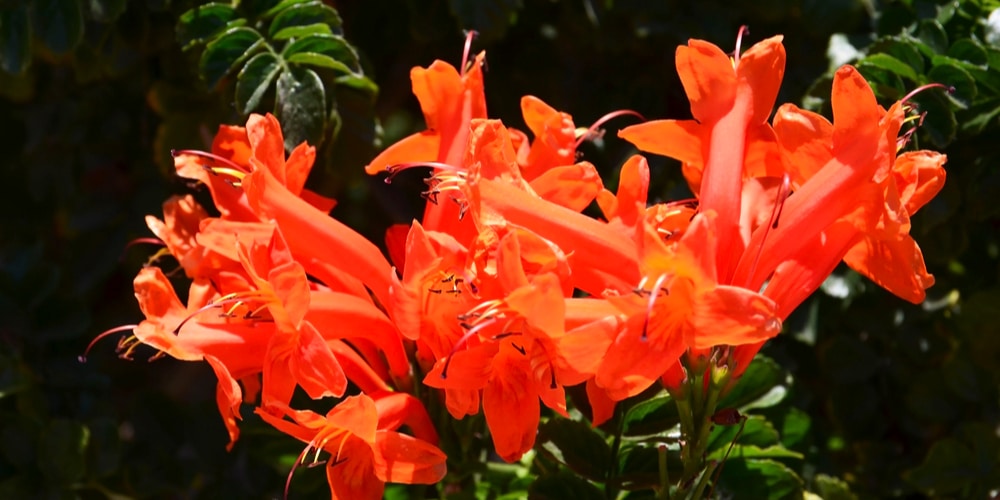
[(504, 293)]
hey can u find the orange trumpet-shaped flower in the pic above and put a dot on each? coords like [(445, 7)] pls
[(680, 305), (729, 138), (365, 450)]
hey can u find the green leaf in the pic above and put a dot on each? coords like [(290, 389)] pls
[(948, 467), (332, 46), (759, 479), (15, 40), (254, 81), (305, 14), (58, 23), (638, 467), (61, 450), (301, 31), (563, 485), (901, 48), (266, 9), (577, 445), (301, 107), (953, 76), (757, 431), (225, 53), (651, 416), (933, 35), (105, 11), (970, 51), (360, 83), (940, 123), (201, 23), (744, 451), (833, 488), (890, 64), (318, 60), (760, 378), (794, 427)]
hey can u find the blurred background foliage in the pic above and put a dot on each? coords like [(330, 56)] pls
[(868, 396)]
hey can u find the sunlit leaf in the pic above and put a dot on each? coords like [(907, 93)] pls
[(651, 416), (254, 81), (301, 31), (332, 46), (318, 60), (301, 107)]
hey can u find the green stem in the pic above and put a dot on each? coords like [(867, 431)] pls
[(611, 491)]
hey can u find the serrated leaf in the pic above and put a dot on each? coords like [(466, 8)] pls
[(890, 64), (332, 46), (201, 23), (301, 107), (15, 40), (225, 53), (58, 23), (305, 14), (105, 10), (758, 480), (577, 445), (563, 484), (760, 377), (318, 60), (301, 31), (651, 416), (254, 81)]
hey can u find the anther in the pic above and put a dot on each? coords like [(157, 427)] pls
[(592, 130), (469, 36), (83, 357)]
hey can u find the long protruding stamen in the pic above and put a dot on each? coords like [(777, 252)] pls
[(393, 170), (231, 299), (652, 301), (744, 30), (83, 357), (907, 97), (772, 223), (302, 456), (465, 338), (592, 130), (469, 36), (204, 154)]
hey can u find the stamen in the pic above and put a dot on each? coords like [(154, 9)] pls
[(907, 97), (225, 161), (288, 480), (592, 130), (83, 357), (658, 285), (469, 35), (235, 298), (393, 170), (519, 349), (744, 30), (779, 205), (465, 338)]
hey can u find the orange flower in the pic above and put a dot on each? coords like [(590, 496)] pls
[(729, 138), (365, 452)]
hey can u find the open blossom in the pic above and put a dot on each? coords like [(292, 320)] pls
[(505, 293)]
